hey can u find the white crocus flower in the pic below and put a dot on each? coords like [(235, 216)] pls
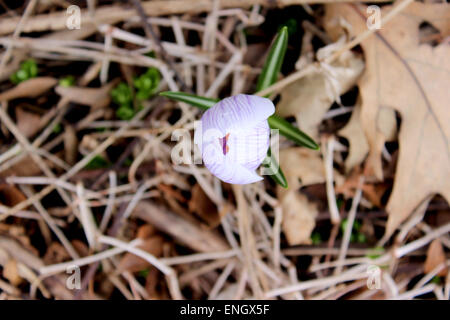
[(234, 137)]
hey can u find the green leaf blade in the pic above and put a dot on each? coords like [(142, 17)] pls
[(196, 101), (274, 61), (277, 176), (291, 132)]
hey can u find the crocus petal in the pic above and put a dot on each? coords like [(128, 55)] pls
[(238, 112), (249, 147), (231, 172), (233, 137)]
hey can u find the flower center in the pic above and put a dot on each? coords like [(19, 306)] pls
[(223, 143)]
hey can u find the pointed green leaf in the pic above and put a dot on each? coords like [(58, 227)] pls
[(278, 176), (196, 101), (291, 132), (268, 77), (275, 58)]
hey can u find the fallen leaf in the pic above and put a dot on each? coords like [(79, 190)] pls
[(302, 167), (23, 168), (309, 98), (11, 272), (152, 285), (55, 253), (435, 256), (299, 218), (70, 144), (93, 97), (27, 122), (10, 195), (201, 205), (133, 263), (412, 79), (145, 231), (354, 133), (30, 88), (80, 247), (373, 192)]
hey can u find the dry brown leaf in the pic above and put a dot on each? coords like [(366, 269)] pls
[(27, 122), (358, 145), (152, 285), (201, 205), (302, 167), (354, 133), (80, 247), (55, 253), (309, 98), (145, 231), (19, 234), (93, 97), (412, 79), (70, 144), (29, 89), (25, 167), (373, 192), (299, 218), (435, 256), (10, 195), (133, 263), (11, 272)]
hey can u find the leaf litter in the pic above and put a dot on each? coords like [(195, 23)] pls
[(81, 186)]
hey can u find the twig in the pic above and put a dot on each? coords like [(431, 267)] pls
[(169, 272), (221, 280), (17, 31), (61, 267), (151, 33), (349, 225), (332, 205), (414, 245)]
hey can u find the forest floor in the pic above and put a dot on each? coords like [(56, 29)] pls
[(93, 207)]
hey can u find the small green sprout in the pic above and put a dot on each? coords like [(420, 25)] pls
[(356, 235), (28, 69), (375, 253), (356, 225), (67, 81), (98, 162), (128, 162), (150, 54), (316, 238), (125, 112), (122, 94), (339, 203), (361, 238), (436, 280), (57, 128), (144, 273), (147, 83)]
